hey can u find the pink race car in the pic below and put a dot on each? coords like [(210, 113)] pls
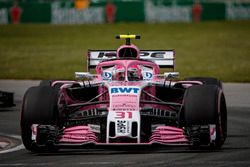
[(126, 102)]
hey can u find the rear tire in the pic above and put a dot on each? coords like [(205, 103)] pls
[(49, 83), (206, 80), (39, 107), (205, 105), (46, 82)]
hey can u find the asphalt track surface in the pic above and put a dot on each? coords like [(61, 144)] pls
[(235, 152)]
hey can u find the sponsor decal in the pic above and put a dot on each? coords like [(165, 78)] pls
[(95, 128), (147, 75), (124, 98), (107, 75), (126, 90), (237, 11), (161, 13), (67, 137), (124, 106), (122, 127), (109, 55), (155, 54), (143, 54), (70, 15)]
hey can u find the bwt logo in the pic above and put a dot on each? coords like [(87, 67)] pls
[(124, 90)]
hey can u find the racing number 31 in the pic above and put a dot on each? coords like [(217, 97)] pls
[(123, 115)]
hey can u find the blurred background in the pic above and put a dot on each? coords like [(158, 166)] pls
[(100, 11), (49, 39)]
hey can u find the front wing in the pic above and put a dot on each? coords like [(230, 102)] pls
[(78, 136)]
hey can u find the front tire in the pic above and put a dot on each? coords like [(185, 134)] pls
[(39, 107), (205, 105)]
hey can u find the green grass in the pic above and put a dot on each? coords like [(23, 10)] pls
[(217, 49)]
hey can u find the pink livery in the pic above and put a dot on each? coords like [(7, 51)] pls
[(127, 101)]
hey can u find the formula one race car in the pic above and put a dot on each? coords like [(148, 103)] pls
[(126, 102)]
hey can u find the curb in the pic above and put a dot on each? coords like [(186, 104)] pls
[(9, 142)]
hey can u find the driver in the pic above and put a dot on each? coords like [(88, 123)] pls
[(134, 73), (119, 73)]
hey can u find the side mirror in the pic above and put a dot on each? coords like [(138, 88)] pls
[(171, 75), (83, 75)]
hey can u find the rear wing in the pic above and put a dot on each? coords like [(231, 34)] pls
[(163, 58)]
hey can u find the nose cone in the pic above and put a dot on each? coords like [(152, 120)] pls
[(124, 119)]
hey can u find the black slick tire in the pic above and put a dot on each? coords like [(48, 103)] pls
[(205, 105), (39, 107), (206, 81)]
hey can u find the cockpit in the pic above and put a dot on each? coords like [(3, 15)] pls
[(119, 73), (127, 70)]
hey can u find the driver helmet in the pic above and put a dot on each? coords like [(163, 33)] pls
[(134, 73), (119, 73)]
